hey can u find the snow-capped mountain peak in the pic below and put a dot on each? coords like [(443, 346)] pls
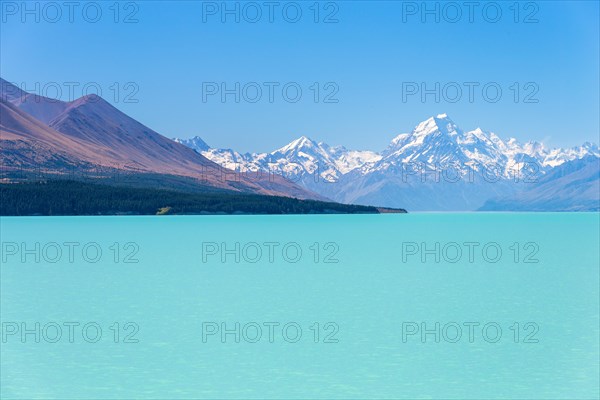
[(440, 124), (302, 142), (433, 143), (433, 140), (195, 143)]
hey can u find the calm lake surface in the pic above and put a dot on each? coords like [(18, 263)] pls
[(297, 307)]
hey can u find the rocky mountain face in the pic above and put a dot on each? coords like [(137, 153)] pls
[(435, 167)]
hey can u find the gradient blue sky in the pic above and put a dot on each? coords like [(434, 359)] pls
[(369, 53)]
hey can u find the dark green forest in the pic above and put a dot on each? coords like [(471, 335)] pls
[(60, 197)]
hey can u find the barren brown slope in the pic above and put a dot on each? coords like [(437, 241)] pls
[(90, 130), (41, 108), (27, 143), (124, 140), (119, 137)]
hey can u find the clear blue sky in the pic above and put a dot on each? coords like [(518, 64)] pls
[(372, 49)]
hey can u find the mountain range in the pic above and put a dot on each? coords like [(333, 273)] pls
[(90, 137), (435, 167)]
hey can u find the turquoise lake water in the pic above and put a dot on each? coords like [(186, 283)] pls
[(328, 307)]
